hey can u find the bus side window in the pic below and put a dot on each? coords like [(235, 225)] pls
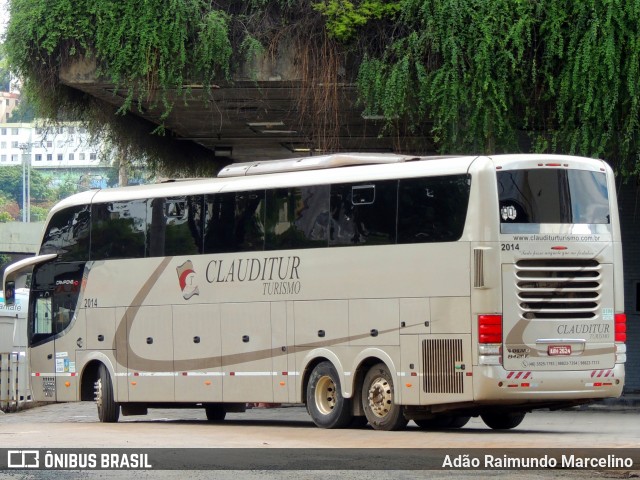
[(297, 217), (249, 221), (119, 230), (176, 226), (432, 209), (43, 324), (364, 214), (234, 222), (68, 234)]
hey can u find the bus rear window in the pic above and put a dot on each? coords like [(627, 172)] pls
[(553, 196)]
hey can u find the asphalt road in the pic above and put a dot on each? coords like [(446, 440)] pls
[(75, 425)]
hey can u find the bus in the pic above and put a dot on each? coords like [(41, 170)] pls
[(373, 288)]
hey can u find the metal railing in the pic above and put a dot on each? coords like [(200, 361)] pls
[(15, 390)]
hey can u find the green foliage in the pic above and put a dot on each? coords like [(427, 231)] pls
[(345, 17), (5, 217), (5, 74), (457, 68), (23, 113), (146, 47), (483, 73), (471, 75), (11, 182), (159, 44), (39, 214)]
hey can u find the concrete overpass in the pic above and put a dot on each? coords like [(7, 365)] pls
[(272, 113), (21, 238)]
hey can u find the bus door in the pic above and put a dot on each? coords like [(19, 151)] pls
[(52, 339)]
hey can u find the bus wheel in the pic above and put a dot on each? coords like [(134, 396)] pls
[(325, 403), (108, 409), (446, 421), (215, 412), (377, 400), (502, 421)]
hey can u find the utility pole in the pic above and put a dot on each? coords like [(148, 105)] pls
[(26, 177), (26, 180)]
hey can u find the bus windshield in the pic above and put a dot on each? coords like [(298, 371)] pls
[(553, 196)]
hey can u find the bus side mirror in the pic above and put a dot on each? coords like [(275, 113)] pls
[(10, 292)]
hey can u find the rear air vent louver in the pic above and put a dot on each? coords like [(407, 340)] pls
[(440, 359), (558, 289)]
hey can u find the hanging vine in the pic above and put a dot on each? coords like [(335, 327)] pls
[(475, 75)]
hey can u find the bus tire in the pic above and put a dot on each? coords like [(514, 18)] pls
[(378, 400), (325, 403), (108, 409), (443, 422), (215, 412), (502, 421)]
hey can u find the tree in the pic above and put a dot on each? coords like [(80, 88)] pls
[(476, 75), (11, 184), (5, 74)]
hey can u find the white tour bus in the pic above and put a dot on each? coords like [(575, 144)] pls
[(373, 288)]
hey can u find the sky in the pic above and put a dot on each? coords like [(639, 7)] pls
[(4, 16)]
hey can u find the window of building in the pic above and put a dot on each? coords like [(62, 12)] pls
[(38, 157), (3, 131), (71, 156), (60, 157), (93, 156), (15, 145), (14, 157), (82, 157), (49, 144), (3, 158), (3, 145), (49, 157), (14, 131)]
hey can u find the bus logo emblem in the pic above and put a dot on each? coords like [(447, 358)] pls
[(508, 212), (186, 277)]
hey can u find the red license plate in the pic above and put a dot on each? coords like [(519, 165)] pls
[(559, 350)]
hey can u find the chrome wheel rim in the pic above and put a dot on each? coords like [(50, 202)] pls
[(380, 397), (325, 395)]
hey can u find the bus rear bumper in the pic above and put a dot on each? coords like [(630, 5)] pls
[(494, 383)]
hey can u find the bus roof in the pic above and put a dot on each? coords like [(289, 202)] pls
[(306, 171)]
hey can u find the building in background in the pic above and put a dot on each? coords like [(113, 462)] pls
[(65, 146), (8, 102)]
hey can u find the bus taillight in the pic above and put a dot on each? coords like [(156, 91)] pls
[(490, 339), (621, 327), (490, 328)]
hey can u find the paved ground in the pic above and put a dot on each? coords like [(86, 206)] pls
[(75, 425)]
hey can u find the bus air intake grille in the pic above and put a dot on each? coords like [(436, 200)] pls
[(558, 289), (440, 359)]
